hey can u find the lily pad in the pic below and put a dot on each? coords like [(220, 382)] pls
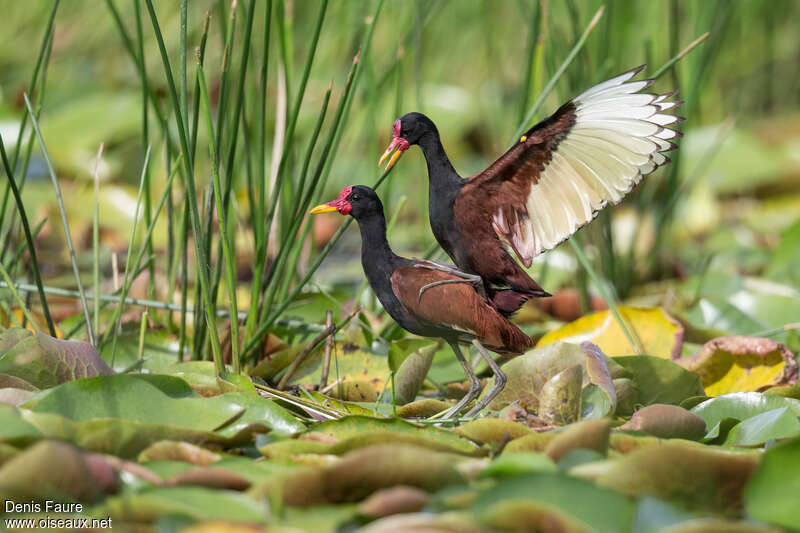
[(740, 406), (349, 363), (155, 399), (659, 381), (44, 361), (742, 364), (693, 475), (524, 498), (667, 421), (528, 373), (51, 469), (198, 503), (361, 472), (660, 334), (771, 494), (781, 423), (393, 430)]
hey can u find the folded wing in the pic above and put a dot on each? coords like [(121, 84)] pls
[(456, 306)]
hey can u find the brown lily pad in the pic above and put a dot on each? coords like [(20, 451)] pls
[(742, 364), (667, 421), (586, 435), (361, 472)]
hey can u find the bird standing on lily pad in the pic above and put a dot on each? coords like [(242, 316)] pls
[(591, 152), (455, 312)]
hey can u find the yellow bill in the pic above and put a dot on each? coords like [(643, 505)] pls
[(322, 208)]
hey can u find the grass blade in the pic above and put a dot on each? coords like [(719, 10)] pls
[(550, 84), (28, 238), (202, 258), (96, 240), (15, 295), (62, 210), (222, 213)]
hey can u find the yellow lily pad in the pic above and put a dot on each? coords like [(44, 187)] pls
[(742, 364), (657, 332)]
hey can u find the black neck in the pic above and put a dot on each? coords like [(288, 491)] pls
[(377, 256), (441, 174)]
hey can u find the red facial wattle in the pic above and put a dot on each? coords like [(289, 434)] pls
[(397, 141), (398, 145), (341, 204)]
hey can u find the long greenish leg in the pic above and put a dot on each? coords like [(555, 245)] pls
[(499, 379), (474, 385)]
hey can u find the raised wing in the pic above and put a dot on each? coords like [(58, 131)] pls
[(456, 306), (564, 170)]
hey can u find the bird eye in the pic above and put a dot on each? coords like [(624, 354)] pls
[(355, 197)]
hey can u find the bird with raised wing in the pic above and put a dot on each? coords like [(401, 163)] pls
[(455, 312), (590, 153)]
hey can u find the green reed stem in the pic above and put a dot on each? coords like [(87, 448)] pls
[(222, 213), (28, 238), (65, 223), (549, 87)]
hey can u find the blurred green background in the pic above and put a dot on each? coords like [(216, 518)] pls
[(729, 205)]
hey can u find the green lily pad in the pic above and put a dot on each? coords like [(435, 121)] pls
[(361, 472), (658, 380), (394, 430), (198, 503), (740, 406), (44, 361), (596, 508), (14, 430), (696, 476), (771, 494), (781, 423)]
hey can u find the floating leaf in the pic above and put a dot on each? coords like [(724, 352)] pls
[(361, 472), (44, 361), (55, 470), (667, 421), (535, 442), (781, 423), (124, 414), (16, 383), (394, 500), (560, 398), (585, 435), (14, 430), (522, 502), (512, 463), (197, 503), (740, 406), (660, 381), (742, 364), (693, 475), (660, 334), (422, 408), (399, 350), (411, 363), (15, 397), (166, 400), (420, 522), (598, 373), (627, 396), (361, 429), (351, 364), (167, 450), (771, 494), (211, 477), (528, 373), (492, 430)]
